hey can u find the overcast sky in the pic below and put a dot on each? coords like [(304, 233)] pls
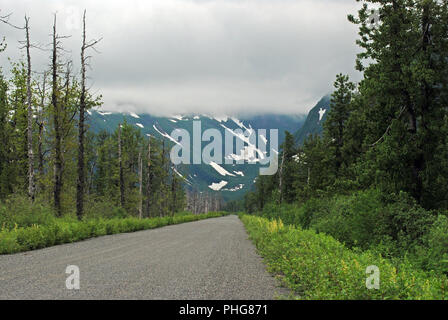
[(199, 56)]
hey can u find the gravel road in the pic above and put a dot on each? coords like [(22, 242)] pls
[(207, 259)]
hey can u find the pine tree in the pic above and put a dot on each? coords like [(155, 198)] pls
[(288, 174), (405, 91), (338, 115)]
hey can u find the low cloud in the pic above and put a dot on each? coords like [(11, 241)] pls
[(213, 56)]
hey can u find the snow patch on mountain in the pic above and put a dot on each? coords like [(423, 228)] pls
[(181, 176), (218, 186), (221, 118), (178, 117), (236, 188), (249, 152), (321, 113), (220, 169), (166, 135), (104, 113)]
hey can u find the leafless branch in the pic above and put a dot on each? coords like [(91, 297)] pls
[(5, 20), (388, 128)]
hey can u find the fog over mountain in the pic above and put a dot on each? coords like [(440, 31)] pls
[(166, 57)]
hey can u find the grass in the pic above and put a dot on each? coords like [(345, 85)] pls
[(65, 230), (316, 266)]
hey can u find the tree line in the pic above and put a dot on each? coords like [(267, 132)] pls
[(49, 154)]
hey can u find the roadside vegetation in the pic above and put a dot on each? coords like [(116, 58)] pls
[(26, 226), (373, 188), (316, 266)]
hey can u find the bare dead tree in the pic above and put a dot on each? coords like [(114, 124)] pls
[(148, 181), (5, 19), (120, 164), (56, 115), (140, 181), (280, 184), (173, 192), (162, 204), (58, 120), (80, 189), (29, 135), (31, 185), (41, 126)]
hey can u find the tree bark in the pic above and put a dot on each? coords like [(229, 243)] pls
[(40, 124), (280, 184), (120, 164), (81, 130), (173, 193), (58, 135), (148, 182), (31, 185), (140, 181)]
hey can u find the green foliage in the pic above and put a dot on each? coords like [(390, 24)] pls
[(104, 209), (316, 266), (288, 169), (334, 126), (66, 230), (376, 180), (18, 211), (433, 255), (390, 225)]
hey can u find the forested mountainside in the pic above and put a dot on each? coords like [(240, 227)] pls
[(230, 181), (314, 122)]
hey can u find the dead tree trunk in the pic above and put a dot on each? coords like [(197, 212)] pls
[(280, 184), (41, 126), (148, 181), (140, 181), (80, 190), (57, 126), (120, 164), (162, 204), (31, 186), (173, 193), (82, 109)]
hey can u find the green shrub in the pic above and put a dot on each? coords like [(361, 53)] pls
[(392, 225), (18, 211), (67, 229), (104, 209), (434, 254), (31, 238), (316, 266), (8, 242)]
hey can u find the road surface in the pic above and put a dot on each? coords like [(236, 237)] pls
[(207, 259)]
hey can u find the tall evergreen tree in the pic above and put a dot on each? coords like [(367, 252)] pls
[(338, 115), (405, 87)]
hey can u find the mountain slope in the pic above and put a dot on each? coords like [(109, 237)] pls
[(314, 121), (231, 180)]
